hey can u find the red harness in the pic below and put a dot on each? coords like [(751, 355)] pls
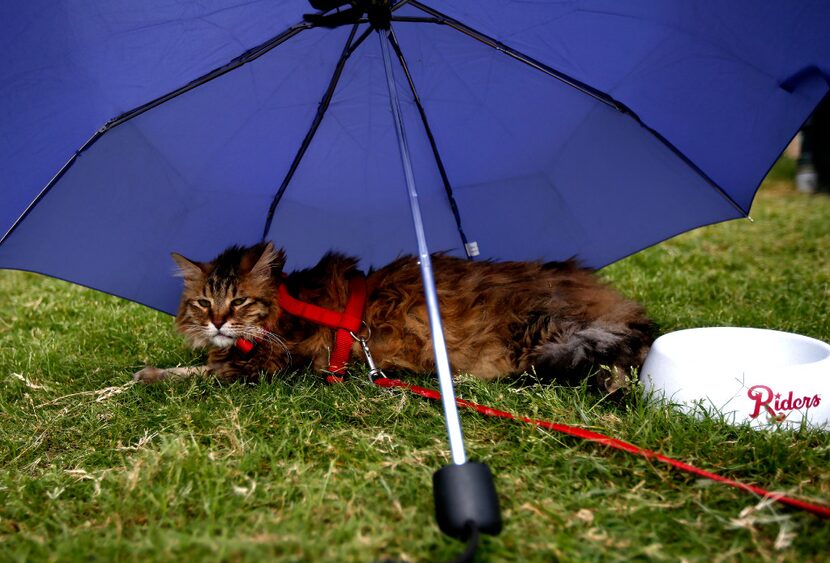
[(344, 322)]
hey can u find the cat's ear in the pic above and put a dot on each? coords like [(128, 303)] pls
[(189, 270), (271, 261)]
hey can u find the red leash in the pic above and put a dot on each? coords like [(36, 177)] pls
[(819, 510), (349, 321)]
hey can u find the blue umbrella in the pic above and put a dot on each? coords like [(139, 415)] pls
[(532, 130)]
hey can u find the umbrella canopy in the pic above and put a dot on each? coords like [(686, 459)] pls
[(588, 129)]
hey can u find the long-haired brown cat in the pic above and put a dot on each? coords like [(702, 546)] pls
[(500, 318)]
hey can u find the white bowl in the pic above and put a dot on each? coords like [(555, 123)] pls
[(764, 378)]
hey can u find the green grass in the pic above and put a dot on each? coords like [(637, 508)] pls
[(298, 470)]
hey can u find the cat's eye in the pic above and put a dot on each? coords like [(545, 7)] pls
[(203, 303), (238, 301)]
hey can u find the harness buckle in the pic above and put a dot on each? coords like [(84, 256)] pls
[(374, 371)]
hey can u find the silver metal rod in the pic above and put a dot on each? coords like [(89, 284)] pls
[(442, 361)]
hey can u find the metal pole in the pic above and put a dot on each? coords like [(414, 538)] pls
[(442, 362)]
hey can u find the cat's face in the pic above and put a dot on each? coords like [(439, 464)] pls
[(230, 297)]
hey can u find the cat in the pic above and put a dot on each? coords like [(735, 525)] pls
[(555, 320)]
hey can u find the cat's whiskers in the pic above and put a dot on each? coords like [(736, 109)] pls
[(196, 334), (255, 332), (225, 335)]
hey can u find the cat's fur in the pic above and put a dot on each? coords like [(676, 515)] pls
[(500, 318)]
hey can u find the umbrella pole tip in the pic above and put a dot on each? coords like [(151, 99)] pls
[(465, 498)]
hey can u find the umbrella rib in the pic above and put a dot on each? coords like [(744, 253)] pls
[(348, 49), (246, 57), (688, 162), (438, 161), (442, 19), (439, 18), (95, 136)]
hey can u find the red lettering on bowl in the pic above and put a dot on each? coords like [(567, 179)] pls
[(777, 404)]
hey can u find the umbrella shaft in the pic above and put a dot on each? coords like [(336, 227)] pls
[(442, 362)]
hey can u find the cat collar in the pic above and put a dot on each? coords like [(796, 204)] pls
[(346, 322)]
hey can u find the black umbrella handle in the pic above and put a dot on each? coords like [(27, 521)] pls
[(466, 500)]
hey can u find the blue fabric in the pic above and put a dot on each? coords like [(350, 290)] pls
[(539, 170)]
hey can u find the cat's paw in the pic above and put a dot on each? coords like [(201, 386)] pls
[(613, 379), (150, 374)]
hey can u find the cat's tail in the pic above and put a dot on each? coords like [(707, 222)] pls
[(610, 350)]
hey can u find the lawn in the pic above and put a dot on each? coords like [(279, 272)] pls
[(93, 467)]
